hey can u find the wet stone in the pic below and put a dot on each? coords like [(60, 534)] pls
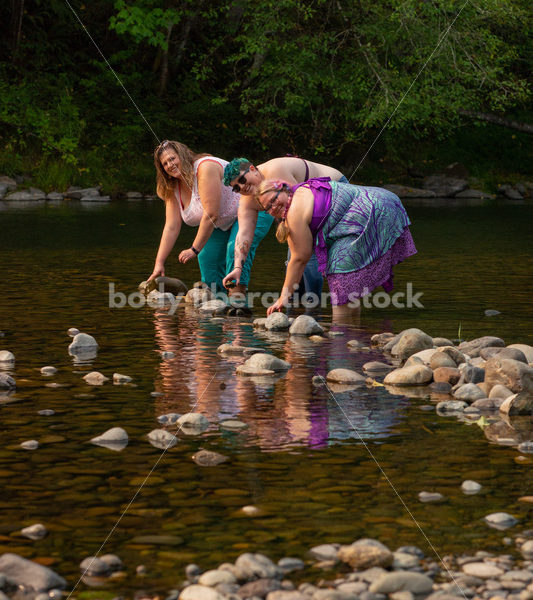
[(30, 445), (94, 566), (365, 553), (482, 569), (47, 412), (169, 418), (95, 378), (48, 371), (119, 379), (34, 532), (430, 497), (206, 458), (402, 581), (193, 423), (233, 424), (162, 439), (500, 520), (470, 487), (325, 552)]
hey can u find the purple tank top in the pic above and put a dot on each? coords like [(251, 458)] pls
[(321, 188)]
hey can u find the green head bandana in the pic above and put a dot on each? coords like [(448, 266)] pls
[(233, 169)]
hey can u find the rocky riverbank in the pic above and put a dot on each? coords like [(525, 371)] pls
[(453, 185)]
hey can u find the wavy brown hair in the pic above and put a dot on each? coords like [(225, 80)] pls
[(165, 183)]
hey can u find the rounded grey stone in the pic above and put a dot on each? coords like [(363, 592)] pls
[(162, 439), (94, 566), (305, 325), (470, 487), (30, 445)]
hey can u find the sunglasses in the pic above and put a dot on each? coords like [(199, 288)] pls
[(242, 181)]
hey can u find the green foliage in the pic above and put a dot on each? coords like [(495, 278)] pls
[(263, 77)]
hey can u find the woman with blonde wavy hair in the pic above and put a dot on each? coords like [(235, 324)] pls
[(192, 187), (358, 234)]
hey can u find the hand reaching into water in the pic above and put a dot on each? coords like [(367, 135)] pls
[(186, 255), (159, 269), (234, 275)]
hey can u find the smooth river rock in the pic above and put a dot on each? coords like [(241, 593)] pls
[(430, 497), (207, 458), (48, 371), (277, 321), (119, 379), (469, 392), (34, 532), (366, 553), (255, 566), (410, 342), (198, 296), (305, 325), (346, 376), (95, 378), (115, 438), (215, 576), (513, 374), (417, 583), (200, 592), (500, 520), (213, 307), (162, 439), (83, 343), (527, 350), (470, 487), (193, 423), (27, 573), (266, 362), (94, 566), (6, 356), (482, 570), (473, 347), (414, 375)]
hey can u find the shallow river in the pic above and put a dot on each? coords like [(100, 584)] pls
[(308, 459)]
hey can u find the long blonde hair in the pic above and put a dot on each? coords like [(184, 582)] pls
[(165, 183), (266, 186)]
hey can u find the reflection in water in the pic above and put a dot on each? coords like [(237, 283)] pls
[(281, 412)]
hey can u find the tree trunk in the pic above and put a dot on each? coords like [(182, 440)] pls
[(490, 118), (15, 27), (163, 78)]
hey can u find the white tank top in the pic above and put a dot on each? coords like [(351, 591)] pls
[(229, 200)]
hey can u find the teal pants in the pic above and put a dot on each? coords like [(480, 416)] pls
[(216, 258)]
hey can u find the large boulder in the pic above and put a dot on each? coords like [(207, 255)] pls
[(414, 375), (513, 374), (26, 573), (410, 342), (513, 353), (473, 347)]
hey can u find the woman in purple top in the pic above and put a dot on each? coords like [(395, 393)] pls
[(358, 234)]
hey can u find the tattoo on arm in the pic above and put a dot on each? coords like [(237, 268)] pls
[(242, 247)]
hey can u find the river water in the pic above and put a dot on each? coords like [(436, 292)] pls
[(319, 467)]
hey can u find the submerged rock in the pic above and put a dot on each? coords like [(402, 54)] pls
[(207, 458), (48, 371), (500, 520), (198, 296), (262, 361), (430, 497), (115, 438), (193, 423), (94, 566), (30, 445), (34, 532), (346, 376), (95, 378), (7, 382), (6, 356), (119, 379), (83, 343), (470, 487), (162, 439)]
